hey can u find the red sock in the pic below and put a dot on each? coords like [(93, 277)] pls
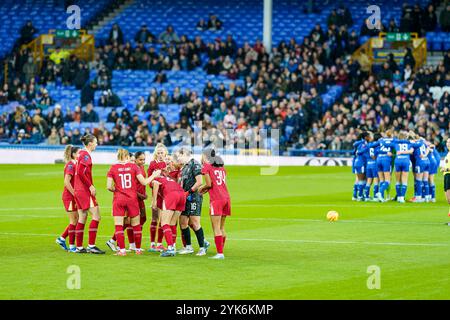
[(114, 237), (174, 233), (137, 231), (168, 234), (120, 237), (66, 232), (129, 232), (160, 233), (224, 238), (142, 220), (93, 232), (71, 234), (79, 233), (153, 227), (219, 243)]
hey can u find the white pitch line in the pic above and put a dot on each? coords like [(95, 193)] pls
[(405, 244), (294, 220), (349, 242), (331, 205)]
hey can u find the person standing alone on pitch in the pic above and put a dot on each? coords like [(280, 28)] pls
[(446, 170), (191, 180)]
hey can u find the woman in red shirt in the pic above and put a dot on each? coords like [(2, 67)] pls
[(219, 198), (68, 197), (85, 197), (158, 163)]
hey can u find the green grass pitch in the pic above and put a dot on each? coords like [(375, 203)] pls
[(279, 244)]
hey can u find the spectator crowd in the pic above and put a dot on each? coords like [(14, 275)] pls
[(280, 89)]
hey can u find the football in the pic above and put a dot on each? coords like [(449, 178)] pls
[(332, 216)]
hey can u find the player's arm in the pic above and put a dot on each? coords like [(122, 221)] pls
[(110, 184), (142, 196), (67, 184), (146, 181), (208, 184), (84, 172), (155, 185), (198, 183)]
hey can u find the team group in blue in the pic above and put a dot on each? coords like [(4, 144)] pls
[(375, 156)]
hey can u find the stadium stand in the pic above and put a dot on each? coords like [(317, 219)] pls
[(318, 108)]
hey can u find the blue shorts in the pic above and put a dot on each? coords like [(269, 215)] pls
[(402, 164), (384, 164), (359, 167), (422, 165), (433, 167), (372, 171)]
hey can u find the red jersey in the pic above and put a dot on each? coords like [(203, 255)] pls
[(140, 188), (218, 177), (167, 186), (69, 168), (175, 174), (83, 173), (155, 165), (125, 181)]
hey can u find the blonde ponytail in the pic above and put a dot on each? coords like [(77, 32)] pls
[(122, 154)]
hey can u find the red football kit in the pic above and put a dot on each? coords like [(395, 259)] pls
[(172, 194), (83, 180), (219, 198), (142, 189), (125, 199), (156, 165), (68, 198)]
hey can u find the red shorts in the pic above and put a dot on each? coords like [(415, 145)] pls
[(70, 204), (125, 208), (85, 200), (220, 207), (175, 201)]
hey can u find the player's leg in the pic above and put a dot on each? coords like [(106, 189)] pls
[(197, 227), (447, 191), (418, 185), (218, 238), (93, 228), (425, 187), (119, 232), (153, 229), (398, 181), (142, 215), (186, 234), (79, 230), (403, 185), (73, 218), (361, 179), (432, 187), (355, 188), (130, 234), (367, 187), (380, 184), (166, 217), (173, 226), (136, 226), (387, 183), (375, 186)]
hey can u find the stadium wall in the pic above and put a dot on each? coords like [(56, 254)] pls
[(50, 155)]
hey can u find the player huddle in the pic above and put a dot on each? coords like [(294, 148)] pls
[(375, 157), (177, 190)]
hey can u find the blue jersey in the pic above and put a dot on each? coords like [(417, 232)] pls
[(383, 159), (420, 149), (421, 162), (402, 146), (402, 161), (386, 146)]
